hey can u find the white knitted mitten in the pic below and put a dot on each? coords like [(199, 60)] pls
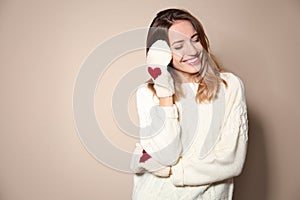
[(149, 165), (158, 58)]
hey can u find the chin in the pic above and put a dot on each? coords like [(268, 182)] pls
[(192, 69), (186, 68)]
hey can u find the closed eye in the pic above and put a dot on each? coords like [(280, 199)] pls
[(195, 38), (178, 47)]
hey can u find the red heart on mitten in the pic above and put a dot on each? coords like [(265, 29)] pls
[(144, 157), (154, 72)]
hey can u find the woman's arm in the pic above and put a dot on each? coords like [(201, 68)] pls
[(150, 165), (159, 127), (227, 158)]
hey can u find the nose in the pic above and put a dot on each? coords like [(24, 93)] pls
[(190, 50)]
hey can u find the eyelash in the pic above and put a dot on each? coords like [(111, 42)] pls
[(196, 40), (177, 48)]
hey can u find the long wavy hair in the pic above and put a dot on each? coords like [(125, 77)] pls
[(209, 79)]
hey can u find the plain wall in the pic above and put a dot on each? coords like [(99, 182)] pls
[(43, 44)]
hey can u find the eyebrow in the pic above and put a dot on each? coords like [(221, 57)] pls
[(195, 34)]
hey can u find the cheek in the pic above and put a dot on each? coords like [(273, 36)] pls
[(176, 60), (199, 46), (178, 53), (176, 57)]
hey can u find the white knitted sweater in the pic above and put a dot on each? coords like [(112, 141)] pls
[(204, 144)]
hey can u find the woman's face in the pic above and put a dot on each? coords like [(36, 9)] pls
[(185, 47)]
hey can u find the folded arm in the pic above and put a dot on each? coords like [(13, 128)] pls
[(159, 132), (227, 158)]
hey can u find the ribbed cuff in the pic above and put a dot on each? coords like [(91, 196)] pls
[(164, 172), (177, 174), (162, 91)]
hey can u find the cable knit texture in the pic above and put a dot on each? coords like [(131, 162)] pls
[(204, 144)]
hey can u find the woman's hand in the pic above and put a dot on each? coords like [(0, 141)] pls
[(158, 58)]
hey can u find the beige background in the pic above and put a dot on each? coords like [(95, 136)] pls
[(43, 44)]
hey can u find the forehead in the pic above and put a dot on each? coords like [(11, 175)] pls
[(181, 28)]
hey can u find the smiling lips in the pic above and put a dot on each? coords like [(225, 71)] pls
[(192, 61)]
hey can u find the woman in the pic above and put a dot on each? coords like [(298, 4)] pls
[(192, 115)]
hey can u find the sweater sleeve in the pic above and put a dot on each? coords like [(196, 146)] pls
[(227, 158), (159, 128), (150, 165)]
